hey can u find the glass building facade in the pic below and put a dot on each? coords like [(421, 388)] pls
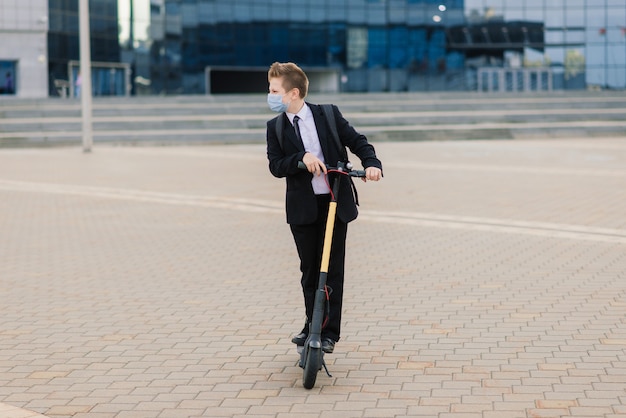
[(23, 49), (376, 44), (585, 40), (63, 44), (373, 45)]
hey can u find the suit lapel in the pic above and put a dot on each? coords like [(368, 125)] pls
[(290, 134), (320, 125)]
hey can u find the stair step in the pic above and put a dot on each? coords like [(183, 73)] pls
[(381, 116)]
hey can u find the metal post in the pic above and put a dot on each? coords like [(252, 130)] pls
[(85, 74)]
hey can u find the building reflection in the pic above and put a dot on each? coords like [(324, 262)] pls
[(225, 46)]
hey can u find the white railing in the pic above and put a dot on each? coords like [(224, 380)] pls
[(492, 79)]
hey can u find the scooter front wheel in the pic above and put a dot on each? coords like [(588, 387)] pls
[(313, 363)]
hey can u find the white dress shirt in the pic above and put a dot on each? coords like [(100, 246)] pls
[(311, 142)]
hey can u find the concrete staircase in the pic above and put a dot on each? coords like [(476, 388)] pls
[(385, 116)]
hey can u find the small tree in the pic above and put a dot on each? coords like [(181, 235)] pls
[(574, 63)]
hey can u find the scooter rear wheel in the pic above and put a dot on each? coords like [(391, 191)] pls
[(313, 363)]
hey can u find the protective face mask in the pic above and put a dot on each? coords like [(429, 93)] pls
[(275, 102)]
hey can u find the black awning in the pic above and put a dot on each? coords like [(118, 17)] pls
[(495, 37)]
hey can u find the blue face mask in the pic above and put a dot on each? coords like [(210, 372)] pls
[(275, 102)]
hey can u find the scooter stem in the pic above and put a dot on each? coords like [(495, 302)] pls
[(328, 236), (315, 328)]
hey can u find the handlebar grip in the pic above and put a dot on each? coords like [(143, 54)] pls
[(351, 173)]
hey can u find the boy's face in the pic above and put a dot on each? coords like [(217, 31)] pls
[(276, 87)]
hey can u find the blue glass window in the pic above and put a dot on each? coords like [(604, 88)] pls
[(8, 81), (398, 47), (377, 51)]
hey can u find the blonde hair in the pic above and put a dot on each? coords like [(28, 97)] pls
[(292, 75)]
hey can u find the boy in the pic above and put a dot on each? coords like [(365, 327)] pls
[(307, 137)]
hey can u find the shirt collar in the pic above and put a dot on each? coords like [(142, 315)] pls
[(303, 114)]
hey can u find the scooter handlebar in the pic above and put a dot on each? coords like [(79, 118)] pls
[(351, 173)]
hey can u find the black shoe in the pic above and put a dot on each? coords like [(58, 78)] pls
[(328, 345), (300, 339)]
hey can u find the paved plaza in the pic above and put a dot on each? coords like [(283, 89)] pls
[(485, 279)]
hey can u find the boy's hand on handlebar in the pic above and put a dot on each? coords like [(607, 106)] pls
[(373, 174), (313, 164)]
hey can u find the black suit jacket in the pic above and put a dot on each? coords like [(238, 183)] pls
[(301, 204)]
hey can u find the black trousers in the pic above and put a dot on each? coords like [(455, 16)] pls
[(310, 242)]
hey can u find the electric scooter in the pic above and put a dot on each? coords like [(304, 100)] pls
[(311, 354)]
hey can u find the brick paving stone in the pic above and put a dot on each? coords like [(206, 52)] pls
[(484, 278), (505, 414), (15, 412)]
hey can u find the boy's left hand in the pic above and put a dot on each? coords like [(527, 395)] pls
[(373, 174)]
